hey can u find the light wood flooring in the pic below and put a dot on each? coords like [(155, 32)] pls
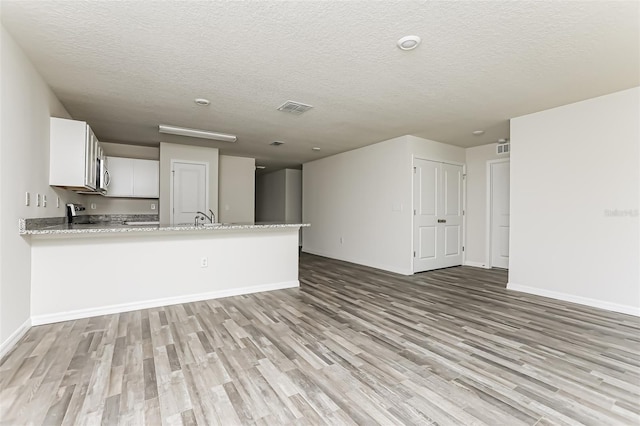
[(352, 345)]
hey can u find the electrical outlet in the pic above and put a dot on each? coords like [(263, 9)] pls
[(204, 262), (153, 206), (44, 200), (27, 199), (93, 206)]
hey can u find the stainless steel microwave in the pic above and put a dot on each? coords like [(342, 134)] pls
[(103, 177)]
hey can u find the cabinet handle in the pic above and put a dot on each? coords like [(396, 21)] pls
[(442, 220), (107, 178)]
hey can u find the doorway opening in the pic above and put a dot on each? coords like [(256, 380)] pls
[(497, 245)]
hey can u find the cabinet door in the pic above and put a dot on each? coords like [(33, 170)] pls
[(121, 172), (90, 161), (146, 178)]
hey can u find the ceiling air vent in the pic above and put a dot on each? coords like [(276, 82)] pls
[(276, 143), (503, 148), (294, 107)]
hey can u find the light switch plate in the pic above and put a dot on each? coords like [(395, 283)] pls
[(37, 200), (27, 198), (44, 200), (153, 206)]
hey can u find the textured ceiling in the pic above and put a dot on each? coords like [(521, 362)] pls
[(126, 67)]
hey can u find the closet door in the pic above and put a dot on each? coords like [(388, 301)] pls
[(437, 200)]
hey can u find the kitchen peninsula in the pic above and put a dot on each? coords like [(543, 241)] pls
[(85, 270)]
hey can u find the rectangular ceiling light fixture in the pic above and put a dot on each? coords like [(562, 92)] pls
[(195, 133)]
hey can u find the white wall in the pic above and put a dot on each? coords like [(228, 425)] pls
[(271, 195), (359, 203), (142, 271), (170, 151), (570, 167), (237, 189), (476, 203), (112, 205), (131, 151), (293, 196), (27, 103), (435, 151), (279, 196)]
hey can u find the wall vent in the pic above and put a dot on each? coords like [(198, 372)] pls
[(294, 107), (503, 148)]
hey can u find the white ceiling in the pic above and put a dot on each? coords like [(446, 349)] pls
[(126, 67)]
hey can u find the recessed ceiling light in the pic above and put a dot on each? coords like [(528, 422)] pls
[(202, 101), (409, 42), (315, 148), (261, 167), (478, 132)]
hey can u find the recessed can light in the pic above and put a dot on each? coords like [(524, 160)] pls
[(478, 132), (202, 101), (315, 148), (409, 42)]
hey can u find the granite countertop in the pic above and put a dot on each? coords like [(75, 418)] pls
[(43, 227)]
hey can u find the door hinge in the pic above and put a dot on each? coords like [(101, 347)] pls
[(462, 212), (414, 170), (462, 248), (414, 212), (414, 254)]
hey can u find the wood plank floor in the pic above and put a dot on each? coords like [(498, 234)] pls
[(352, 345)]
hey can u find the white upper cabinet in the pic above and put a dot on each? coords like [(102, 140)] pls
[(121, 173), (73, 151), (146, 178), (134, 178)]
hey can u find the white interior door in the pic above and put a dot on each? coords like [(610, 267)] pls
[(437, 201), (499, 214), (189, 191)]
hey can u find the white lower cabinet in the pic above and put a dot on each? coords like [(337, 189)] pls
[(131, 177)]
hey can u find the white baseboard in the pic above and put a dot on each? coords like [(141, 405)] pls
[(155, 303), (615, 307), (476, 264), (8, 344), (360, 262)]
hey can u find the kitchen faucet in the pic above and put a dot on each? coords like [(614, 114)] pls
[(202, 216)]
